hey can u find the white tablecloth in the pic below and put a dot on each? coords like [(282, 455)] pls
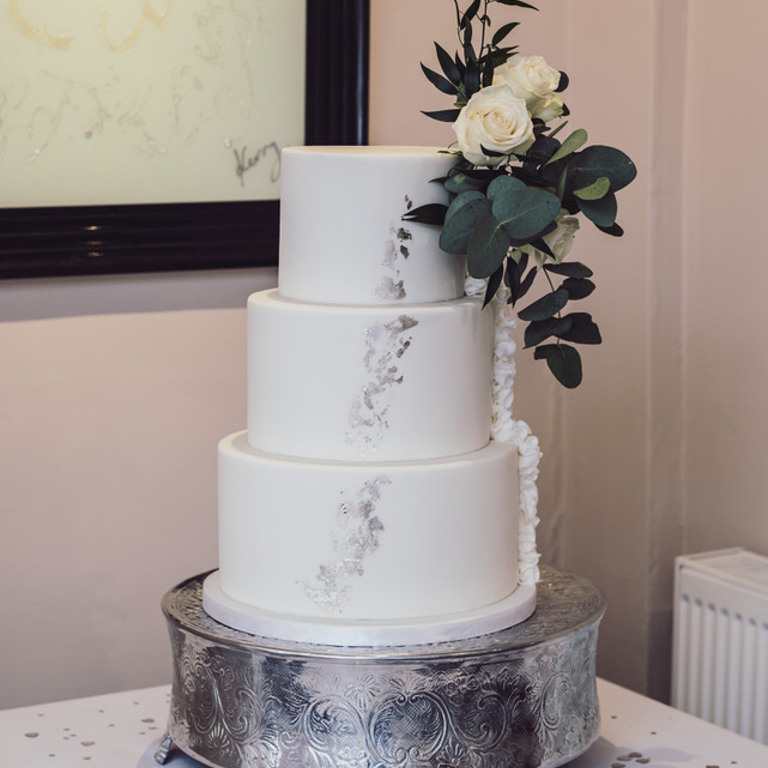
[(122, 730)]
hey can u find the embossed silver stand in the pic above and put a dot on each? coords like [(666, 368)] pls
[(521, 698)]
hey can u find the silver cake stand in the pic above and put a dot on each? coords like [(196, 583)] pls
[(521, 698)]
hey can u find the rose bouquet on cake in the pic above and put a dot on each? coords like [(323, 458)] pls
[(519, 189)]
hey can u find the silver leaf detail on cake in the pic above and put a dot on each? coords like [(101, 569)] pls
[(357, 538), (392, 287), (385, 344)]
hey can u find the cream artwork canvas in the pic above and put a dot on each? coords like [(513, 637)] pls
[(147, 101)]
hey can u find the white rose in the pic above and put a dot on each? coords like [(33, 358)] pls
[(548, 108), (532, 79), (560, 240), (496, 119)]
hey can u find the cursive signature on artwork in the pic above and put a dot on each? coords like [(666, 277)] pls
[(246, 161)]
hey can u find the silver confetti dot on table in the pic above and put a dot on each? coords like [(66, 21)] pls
[(521, 698)]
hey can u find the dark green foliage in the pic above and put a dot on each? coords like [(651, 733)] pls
[(501, 216), (432, 213), (569, 269), (578, 288), (546, 306), (564, 361)]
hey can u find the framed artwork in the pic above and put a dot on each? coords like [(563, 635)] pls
[(145, 135)]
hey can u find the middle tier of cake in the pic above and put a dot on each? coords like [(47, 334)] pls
[(368, 383)]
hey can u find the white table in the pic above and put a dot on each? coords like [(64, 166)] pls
[(122, 730)]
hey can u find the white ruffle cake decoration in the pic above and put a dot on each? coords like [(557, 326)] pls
[(505, 428)]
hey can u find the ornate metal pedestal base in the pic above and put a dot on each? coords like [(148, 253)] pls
[(521, 698)]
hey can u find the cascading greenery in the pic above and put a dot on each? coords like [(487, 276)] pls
[(509, 210)]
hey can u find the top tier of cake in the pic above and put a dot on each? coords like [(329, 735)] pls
[(342, 238)]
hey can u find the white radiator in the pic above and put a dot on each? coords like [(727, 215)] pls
[(720, 642)]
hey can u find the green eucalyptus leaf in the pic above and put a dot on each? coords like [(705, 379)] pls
[(501, 185), (542, 149), (525, 213), (432, 213), (600, 212), (545, 307), (461, 182), (596, 190), (583, 330), (461, 219), (539, 330), (564, 361), (575, 141), (597, 161), (614, 230), (462, 199), (440, 82), (569, 269), (487, 248), (578, 287)]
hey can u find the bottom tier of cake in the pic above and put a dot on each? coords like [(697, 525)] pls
[(524, 697), (378, 542)]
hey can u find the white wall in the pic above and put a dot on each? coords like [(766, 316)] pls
[(113, 395), (114, 391), (726, 275)]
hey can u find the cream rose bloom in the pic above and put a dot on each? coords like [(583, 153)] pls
[(496, 119), (532, 79), (560, 240)]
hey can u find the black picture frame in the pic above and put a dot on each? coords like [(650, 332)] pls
[(113, 239)]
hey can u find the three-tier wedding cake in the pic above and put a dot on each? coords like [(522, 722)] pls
[(375, 497), (377, 600)]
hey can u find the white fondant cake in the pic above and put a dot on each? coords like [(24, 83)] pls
[(367, 503), (368, 383)]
